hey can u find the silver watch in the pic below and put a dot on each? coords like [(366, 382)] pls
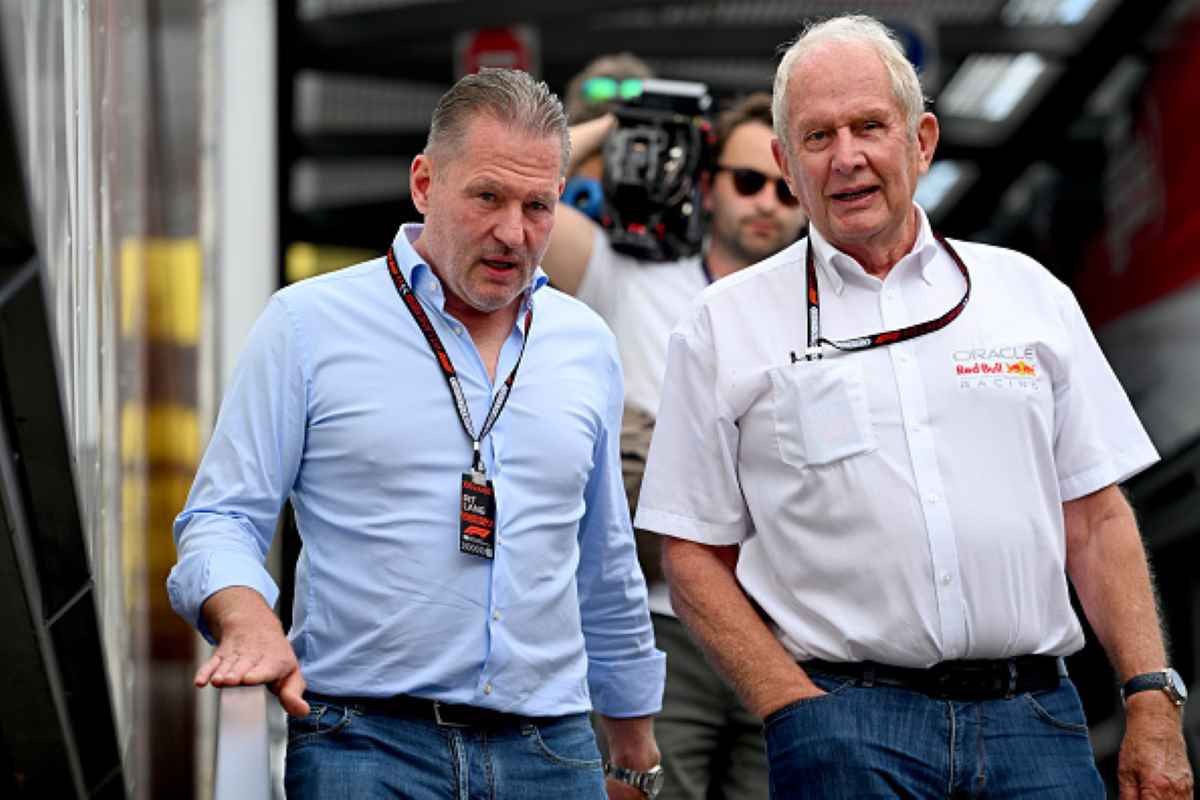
[(648, 783), (1168, 681)]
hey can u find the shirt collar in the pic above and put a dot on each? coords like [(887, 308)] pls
[(422, 279), (836, 265)]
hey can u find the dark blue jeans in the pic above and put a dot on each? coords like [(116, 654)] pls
[(858, 742), (347, 752)]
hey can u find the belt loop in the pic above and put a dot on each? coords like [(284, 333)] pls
[(1012, 679), (445, 723), (868, 676)]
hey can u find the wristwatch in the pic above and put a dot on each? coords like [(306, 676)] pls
[(648, 783), (1166, 680)]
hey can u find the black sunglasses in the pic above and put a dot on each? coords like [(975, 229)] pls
[(749, 182)]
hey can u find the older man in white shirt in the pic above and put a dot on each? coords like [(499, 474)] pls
[(878, 459)]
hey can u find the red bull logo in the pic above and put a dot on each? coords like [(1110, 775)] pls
[(998, 367)]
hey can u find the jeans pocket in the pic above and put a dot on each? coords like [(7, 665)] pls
[(568, 742), (322, 720), (832, 687), (1059, 707), (820, 412)]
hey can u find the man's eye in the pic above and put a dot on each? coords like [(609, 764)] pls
[(816, 140), (487, 197)]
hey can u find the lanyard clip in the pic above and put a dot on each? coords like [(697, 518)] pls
[(478, 471), (810, 354)]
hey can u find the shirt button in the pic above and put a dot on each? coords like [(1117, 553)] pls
[(458, 330), (487, 688), (946, 579), (933, 498), (496, 615)]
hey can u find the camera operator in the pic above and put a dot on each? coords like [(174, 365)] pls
[(711, 746), (600, 88)]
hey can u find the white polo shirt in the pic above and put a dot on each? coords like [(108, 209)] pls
[(901, 504), (641, 301)]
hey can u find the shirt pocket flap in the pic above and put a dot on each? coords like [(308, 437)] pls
[(821, 412)]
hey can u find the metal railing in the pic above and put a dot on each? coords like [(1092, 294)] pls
[(243, 768)]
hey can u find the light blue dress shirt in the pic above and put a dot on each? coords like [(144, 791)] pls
[(337, 402)]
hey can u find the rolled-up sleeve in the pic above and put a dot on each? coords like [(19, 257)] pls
[(626, 673), (224, 532)]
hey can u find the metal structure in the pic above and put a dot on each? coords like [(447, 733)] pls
[(57, 728)]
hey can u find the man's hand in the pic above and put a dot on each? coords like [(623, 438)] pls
[(253, 648), (1153, 762), (622, 791), (587, 139), (631, 745)]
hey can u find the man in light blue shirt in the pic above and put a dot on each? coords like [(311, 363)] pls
[(446, 426)]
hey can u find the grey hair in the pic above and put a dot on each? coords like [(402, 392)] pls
[(854, 28), (509, 96)]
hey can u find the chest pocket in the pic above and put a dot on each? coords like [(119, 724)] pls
[(821, 413)]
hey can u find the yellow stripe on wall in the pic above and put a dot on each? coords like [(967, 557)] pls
[(304, 260), (160, 289), (166, 434)]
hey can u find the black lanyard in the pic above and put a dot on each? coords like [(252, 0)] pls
[(815, 339), (443, 358)]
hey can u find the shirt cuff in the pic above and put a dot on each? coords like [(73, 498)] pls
[(681, 527), (628, 688), (1122, 466), (193, 580)]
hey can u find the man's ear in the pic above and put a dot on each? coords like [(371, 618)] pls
[(928, 134), (779, 153), (419, 182)]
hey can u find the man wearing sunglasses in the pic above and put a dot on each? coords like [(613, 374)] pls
[(880, 457), (711, 745)]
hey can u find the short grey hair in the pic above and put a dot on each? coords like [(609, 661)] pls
[(509, 96), (853, 28)]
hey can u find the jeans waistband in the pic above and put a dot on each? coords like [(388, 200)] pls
[(955, 680), (447, 715)]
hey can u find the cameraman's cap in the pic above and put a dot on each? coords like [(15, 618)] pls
[(622, 69), (603, 88)]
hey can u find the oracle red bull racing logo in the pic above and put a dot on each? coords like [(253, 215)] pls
[(1010, 367)]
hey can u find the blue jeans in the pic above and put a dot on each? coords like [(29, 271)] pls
[(858, 742), (347, 752)]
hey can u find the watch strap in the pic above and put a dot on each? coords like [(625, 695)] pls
[(1163, 680), (645, 782)]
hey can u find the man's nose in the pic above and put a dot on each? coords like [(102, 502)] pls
[(847, 155), (767, 198), (510, 227)]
